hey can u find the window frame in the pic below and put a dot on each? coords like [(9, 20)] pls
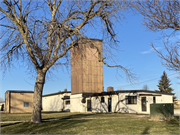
[(89, 105), (67, 102), (26, 104), (102, 100), (131, 100), (154, 100)]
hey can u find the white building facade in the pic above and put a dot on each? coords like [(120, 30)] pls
[(56, 102), (127, 101)]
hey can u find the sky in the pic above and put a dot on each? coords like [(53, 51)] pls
[(136, 54)]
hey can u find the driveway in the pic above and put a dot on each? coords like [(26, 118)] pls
[(176, 112)]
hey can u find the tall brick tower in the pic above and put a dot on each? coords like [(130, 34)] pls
[(86, 70)]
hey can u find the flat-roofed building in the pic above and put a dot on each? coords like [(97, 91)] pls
[(18, 101), (124, 101), (59, 101)]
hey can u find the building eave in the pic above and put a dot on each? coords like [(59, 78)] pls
[(123, 91), (19, 91), (57, 93)]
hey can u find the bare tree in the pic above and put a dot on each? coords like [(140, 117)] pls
[(41, 33), (1, 99), (172, 57), (145, 87), (161, 15)]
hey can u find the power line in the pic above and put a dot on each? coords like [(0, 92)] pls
[(147, 80)]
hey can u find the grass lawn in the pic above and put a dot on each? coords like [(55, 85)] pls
[(78, 123)]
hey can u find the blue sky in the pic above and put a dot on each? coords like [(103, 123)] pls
[(136, 53)]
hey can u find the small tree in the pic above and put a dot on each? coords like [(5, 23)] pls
[(164, 85), (1, 99), (145, 87)]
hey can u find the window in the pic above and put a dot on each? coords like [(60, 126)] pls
[(131, 99), (154, 99), (89, 105), (67, 102), (26, 104), (102, 99)]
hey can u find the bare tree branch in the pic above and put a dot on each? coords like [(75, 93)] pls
[(161, 15), (41, 33)]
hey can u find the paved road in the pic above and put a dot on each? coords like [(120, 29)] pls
[(176, 112)]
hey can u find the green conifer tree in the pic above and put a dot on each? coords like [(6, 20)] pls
[(164, 85)]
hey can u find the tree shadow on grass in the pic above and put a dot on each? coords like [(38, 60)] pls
[(52, 127), (9, 124), (79, 115), (146, 131), (49, 112), (70, 116)]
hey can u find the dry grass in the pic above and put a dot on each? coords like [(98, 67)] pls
[(77, 123)]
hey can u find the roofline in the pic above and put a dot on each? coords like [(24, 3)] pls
[(57, 93), (146, 91), (19, 91), (121, 91), (109, 93), (2, 102)]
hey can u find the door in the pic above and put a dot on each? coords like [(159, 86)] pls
[(143, 104), (109, 104), (89, 105)]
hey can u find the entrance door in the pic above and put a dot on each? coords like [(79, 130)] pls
[(109, 104), (143, 103), (89, 105)]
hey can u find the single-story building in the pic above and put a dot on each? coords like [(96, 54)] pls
[(18, 101), (126, 101), (59, 101)]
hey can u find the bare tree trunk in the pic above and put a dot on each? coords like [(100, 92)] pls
[(37, 102)]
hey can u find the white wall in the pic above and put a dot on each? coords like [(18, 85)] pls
[(76, 104), (149, 100), (67, 108), (96, 104), (118, 104), (167, 99), (158, 99), (127, 108), (55, 103)]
